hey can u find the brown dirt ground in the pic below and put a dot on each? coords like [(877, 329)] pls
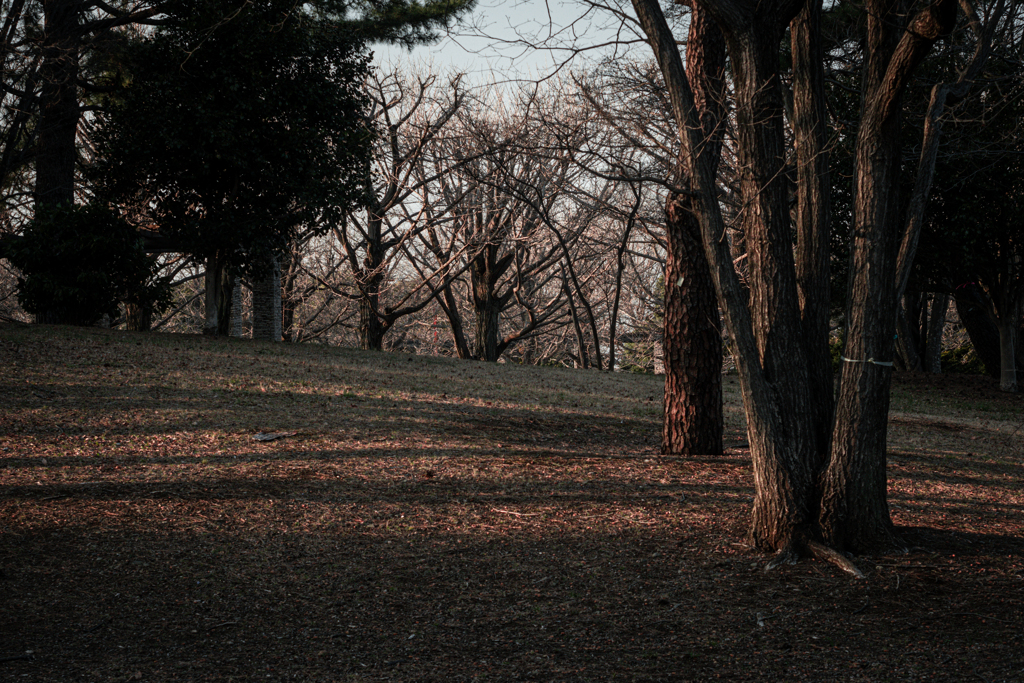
[(438, 520)]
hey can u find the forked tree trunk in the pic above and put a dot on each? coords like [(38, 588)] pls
[(854, 508), (777, 342), (486, 270), (787, 439), (692, 341)]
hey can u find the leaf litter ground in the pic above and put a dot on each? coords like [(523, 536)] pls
[(441, 520)]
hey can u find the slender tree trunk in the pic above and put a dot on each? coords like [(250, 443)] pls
[(936, 328), (370, 280), (908, 336), (218, 282), (290, 273), (693, 422), (1007, 353), (581, 340), (813, 208), (451, 311)]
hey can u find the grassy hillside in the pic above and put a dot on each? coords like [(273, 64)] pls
[(434, 519)]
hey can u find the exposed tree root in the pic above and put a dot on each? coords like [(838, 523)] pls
[(787, 555), (791, 553), (823, 552)]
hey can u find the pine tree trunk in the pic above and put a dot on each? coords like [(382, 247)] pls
[(693, 422)]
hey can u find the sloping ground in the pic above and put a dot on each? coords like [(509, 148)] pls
[(438, 520)]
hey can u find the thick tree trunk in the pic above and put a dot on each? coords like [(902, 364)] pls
[(693, 420), (787, 442), (59, 113), (487, 322), (237, 321), (138, 318), (371, 329)]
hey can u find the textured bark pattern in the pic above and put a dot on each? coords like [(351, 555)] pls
[(237, 321), (138, 318), (692, 342), (266, 305), (813, 208), (854, 506), (787, 437)]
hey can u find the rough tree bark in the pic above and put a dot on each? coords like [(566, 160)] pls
[(855, 510), (805, 485), (693, 422)]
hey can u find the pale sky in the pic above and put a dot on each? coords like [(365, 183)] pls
[(494, 39)]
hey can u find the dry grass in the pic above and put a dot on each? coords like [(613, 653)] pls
[(441, 520)]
